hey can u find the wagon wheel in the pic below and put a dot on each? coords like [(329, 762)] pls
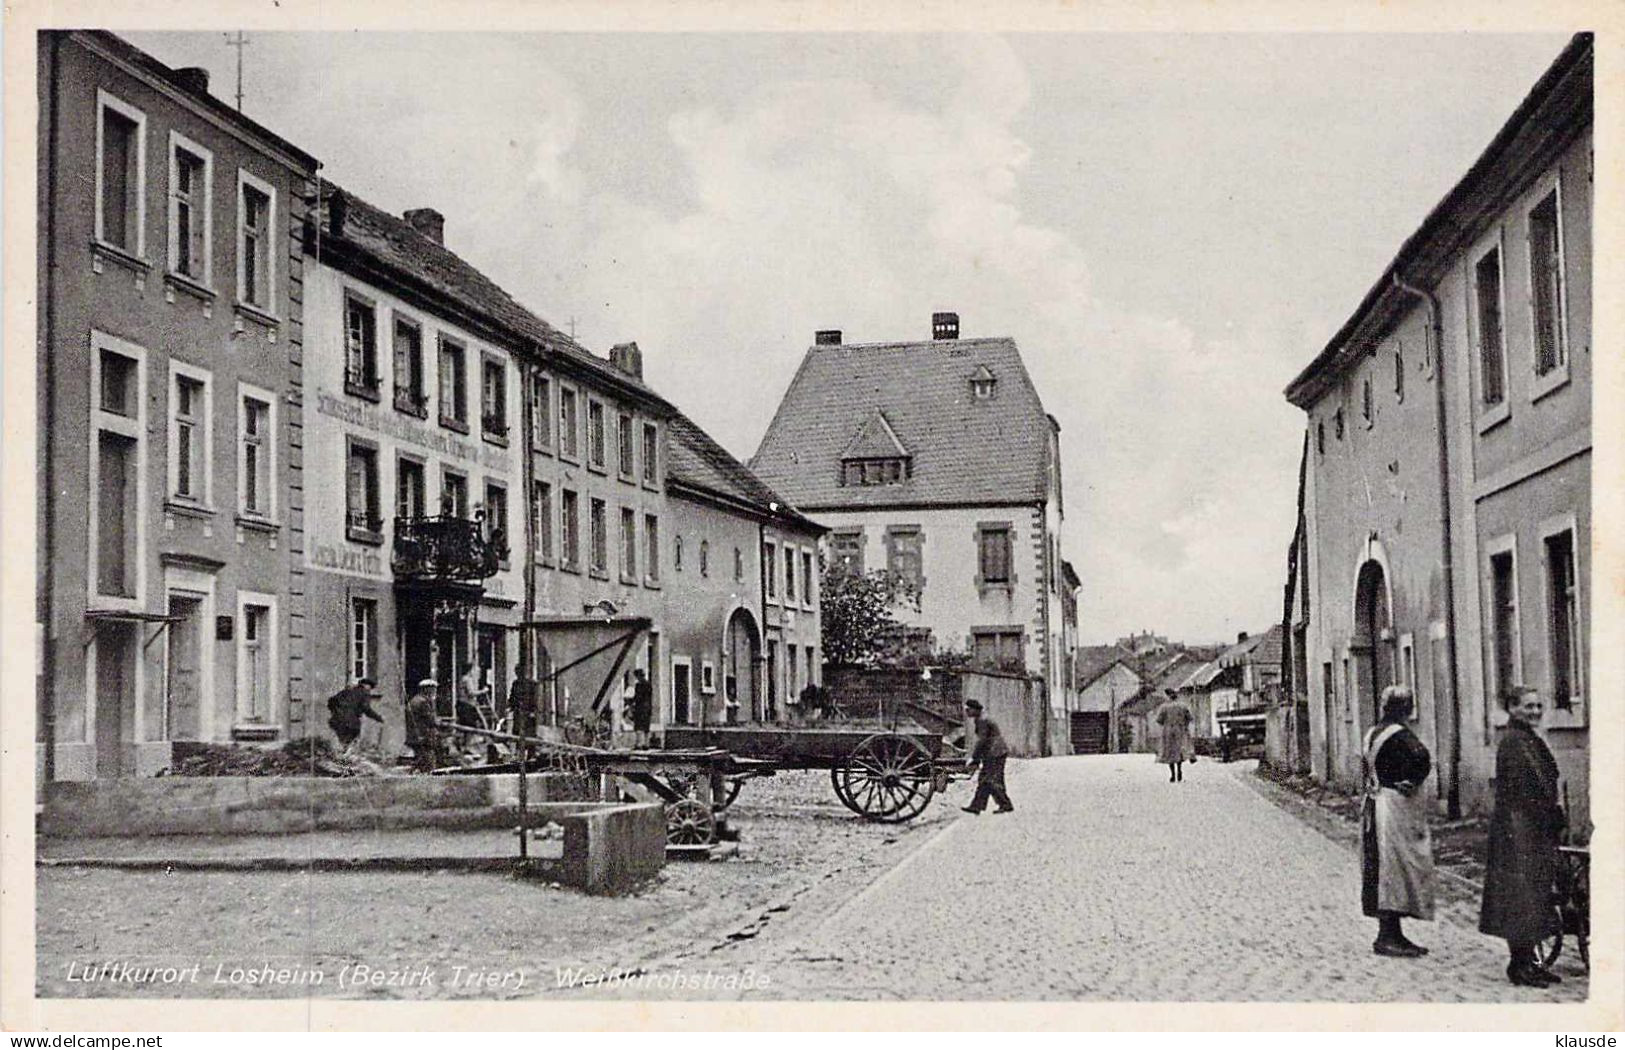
[(888, 778), (690, 822), (837, 780)]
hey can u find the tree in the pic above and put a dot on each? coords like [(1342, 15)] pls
[(856, 610)]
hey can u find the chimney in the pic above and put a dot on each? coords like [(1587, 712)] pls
[(428, 222), (944, 326), (827, 337), (337, 205), (628, 358), (1241, 636), (193, 78)]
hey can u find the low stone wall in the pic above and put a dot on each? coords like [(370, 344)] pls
[(281, 805), (615, 849)]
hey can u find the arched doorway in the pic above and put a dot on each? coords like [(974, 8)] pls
[(1373, 644), (742, 652)]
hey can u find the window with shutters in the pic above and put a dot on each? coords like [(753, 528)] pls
[(360, 347), (993, 540), (569, 424), (496, 520), (651, 549), (629, 545), (598, 538), (626, 447), (595, 435), (410, 395), (494, 399), (411, 493), (363, 520), (570, 531), (453, 385), (541, 520), (904, 545), (651, 455)]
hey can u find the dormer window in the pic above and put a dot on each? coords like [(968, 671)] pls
[(889, 470), (982, 382)]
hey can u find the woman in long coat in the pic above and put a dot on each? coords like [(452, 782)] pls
[(1175, 719), (1525, 829)]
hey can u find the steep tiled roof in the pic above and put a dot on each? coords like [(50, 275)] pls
[(1258, 649), (393, 242), (1092, 661), (964, 450), (695, 460)]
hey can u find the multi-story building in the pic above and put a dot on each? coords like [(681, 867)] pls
[(171, 408), (936, 460), (435, 397), (1446, 508)]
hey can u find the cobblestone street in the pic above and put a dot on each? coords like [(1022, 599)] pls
[(1110, 883)]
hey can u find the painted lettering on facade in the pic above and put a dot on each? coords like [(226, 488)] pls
[(369, 418), (346, 560)]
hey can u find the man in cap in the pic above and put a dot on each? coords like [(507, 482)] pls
[(642, 709), (989, 752), (422, 730)]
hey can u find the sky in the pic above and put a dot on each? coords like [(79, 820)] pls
[(1170, 226)]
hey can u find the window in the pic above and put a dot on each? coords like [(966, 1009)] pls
[(812, 666), (121, 175), (1563, 633), (682, 688), (1337, 424), (807, 596), (541, 520), (847, 548), (453, 495), (626, 449), (362, 519), (739, 565), (453, 385), (496, 518), (770, 570), (789, 576), (651, 454), (570, 524), (677, 553), (257, 465), (256, 658), (411, 498), (629, 545), (360, 347), (569, 424), (363, 639), (1546, 284), (191, 211), (708, 677), (1320, 437), (891, 470), (541, 412), (1399, 373), (998, 648), (993, 557), (651, 548), (1406, 671), (256, 221), (191, 431), (493, 398), (117, 476), (1503, 594), (1491, 344), (1367, 408), (982, 383), (595, 435), (792, 671), (599, 537), (903, 557), (705, 557), (410, 396)]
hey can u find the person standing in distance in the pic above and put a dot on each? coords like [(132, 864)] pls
[(422, 727), (1175, 747), (642, 708), (1526, 827), (989, 752), (1396, 848)]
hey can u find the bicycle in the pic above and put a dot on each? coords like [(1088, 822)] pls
[(1572, 894)]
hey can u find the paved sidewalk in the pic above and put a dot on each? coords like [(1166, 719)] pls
[(1108, 882), (414, 848)]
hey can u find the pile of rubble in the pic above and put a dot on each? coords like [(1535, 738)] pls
[(310, 757)]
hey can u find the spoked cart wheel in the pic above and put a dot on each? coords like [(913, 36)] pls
[(887, 778), (690, 822)]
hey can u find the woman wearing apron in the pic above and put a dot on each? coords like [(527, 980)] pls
[(1396, 848)]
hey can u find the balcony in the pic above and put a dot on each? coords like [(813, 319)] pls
[(444, 548)]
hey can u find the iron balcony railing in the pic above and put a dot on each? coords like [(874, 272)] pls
[(443, 548)]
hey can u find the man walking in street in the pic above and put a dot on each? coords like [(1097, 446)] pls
[(345, 709), (642, 708), (422, 729), (1396, 855), (990, 752)]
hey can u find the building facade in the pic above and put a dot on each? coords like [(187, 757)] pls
[(171, 408), (1446, 501), (936, 460)]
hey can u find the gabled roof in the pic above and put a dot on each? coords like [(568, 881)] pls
[(1092, 661), (1258, 649), (349, 230), (696, 462), (1556, 109), (875, 440), (965, 450), (1098, 673)]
